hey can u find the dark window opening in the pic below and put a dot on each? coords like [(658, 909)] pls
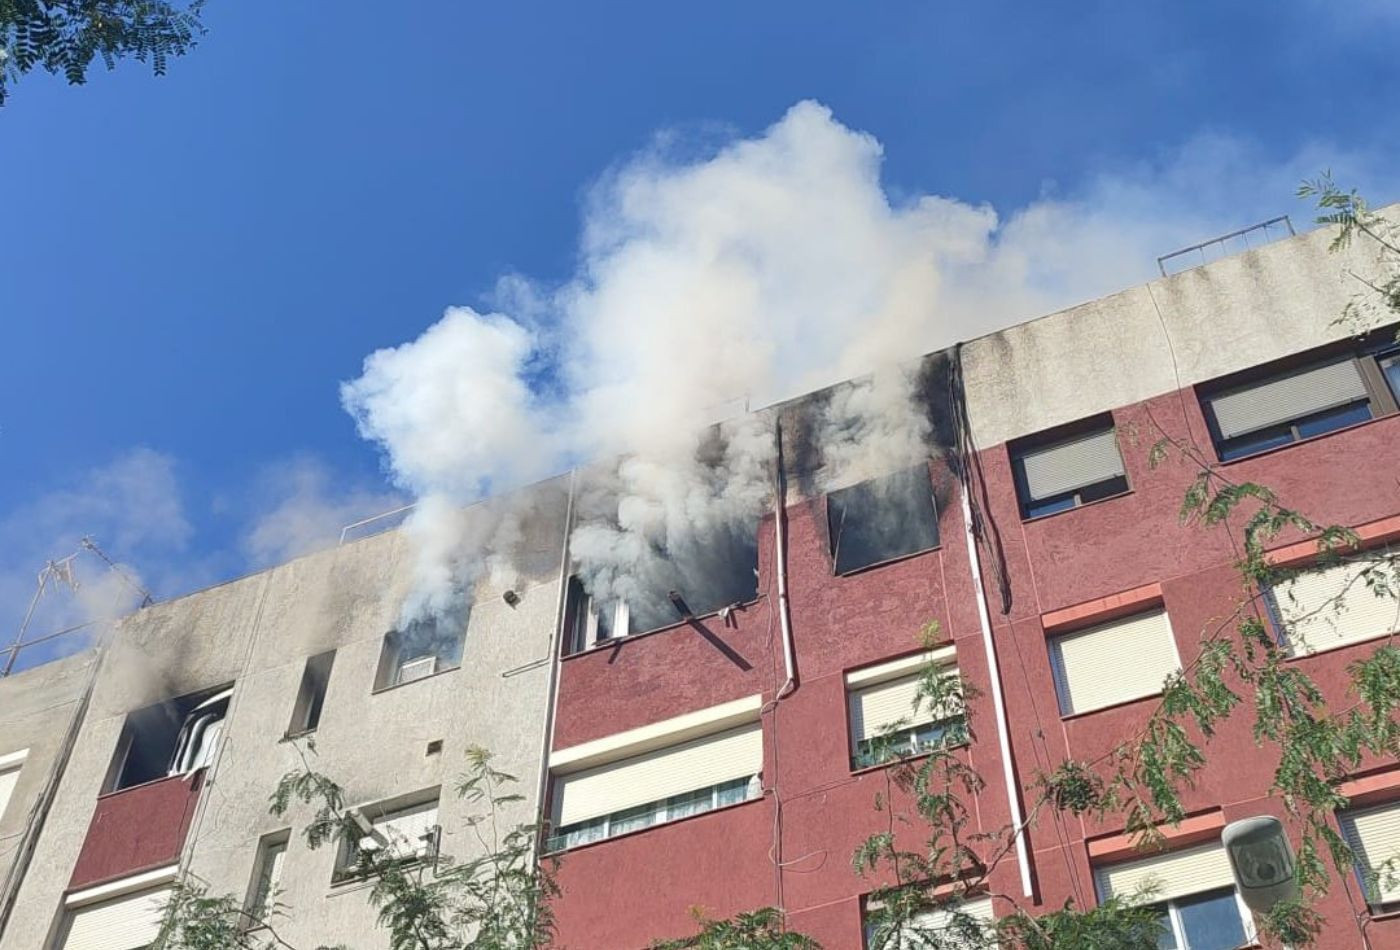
[(1284, 403), (422, 648), (881, 519), (592, 623), (1068, 467), (306, 714), (174, 737)]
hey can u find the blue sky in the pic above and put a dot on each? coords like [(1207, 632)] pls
[(193, 264)]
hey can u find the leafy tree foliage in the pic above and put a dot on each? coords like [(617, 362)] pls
[(64, 36), (758, 930)]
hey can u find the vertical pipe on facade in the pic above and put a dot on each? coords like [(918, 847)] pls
[(780, 540), (551, 702), (1013, 796)]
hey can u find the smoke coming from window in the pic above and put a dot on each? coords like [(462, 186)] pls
[(710, 280)]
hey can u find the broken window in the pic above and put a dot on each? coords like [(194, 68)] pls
[(175, 737), (306, 714), (405, 829), (881, 519), (422, 648)]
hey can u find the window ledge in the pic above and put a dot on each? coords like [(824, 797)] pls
[(613, 643), (1311, 438), (1070, 717), (1036, 519), (1299, 657), (422, 679), (664, 824), (887, 561), (905, 760)]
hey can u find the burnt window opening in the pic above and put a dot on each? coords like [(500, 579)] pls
[(175, 737), (1067, 467), (676, 589), (882, 519), (422, 648), (311, 695)]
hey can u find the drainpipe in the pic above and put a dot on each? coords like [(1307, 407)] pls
[(556, 658), (1013, 791), (780, 539)]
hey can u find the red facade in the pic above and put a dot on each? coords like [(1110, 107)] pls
[(792, 847)]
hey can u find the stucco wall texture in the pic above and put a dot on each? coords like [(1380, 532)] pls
[(1137, 355)]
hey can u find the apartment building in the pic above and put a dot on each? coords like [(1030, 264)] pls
[(715, 755)]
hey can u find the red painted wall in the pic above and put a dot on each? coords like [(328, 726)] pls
[(628, 891), (137, 829)]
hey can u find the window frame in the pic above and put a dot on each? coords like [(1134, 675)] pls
[(388, 672), (311, 694), (556, 843), (953, 728), (1347, 817), (583, 621), (346, 867), (1178, 929), (1274, 612), (832, 551), (1366, 355), (269, 845), (1055, 657), (1054, 438)]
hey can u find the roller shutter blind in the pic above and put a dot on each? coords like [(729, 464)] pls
[(1292, 397), (1072, 465), (129, 922), (1178, 874), (654, 776), (1331, 606), (1113, 662), (942, 918), (8, 778), (1374, 836), (877, 707)]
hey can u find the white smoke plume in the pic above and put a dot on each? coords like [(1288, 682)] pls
[(769, 267)]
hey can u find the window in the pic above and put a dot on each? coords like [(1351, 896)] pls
[(306, 714), (1336, 604), (1113, 662), (957, 925), (422, 648), (1390, 367), (1374, 837), (10, 764), (593, 623), (175, 737), (881, 519), (267, 879), (1195, 893), (404, 829), (659, 786), (890, 719), (1068, 467), (1287, 405), (121, 915)]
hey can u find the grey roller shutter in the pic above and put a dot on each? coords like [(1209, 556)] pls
[(1292, 397), (1072, 465), (1332, 606), (1177, 874)]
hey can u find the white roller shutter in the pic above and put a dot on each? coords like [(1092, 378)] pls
[(1061, 468), (1374, 836), (129, 922), (1177, 874), (699, 763), (937, 922), (1114, 662), (405, 827), (1289, 398), (876, 708), (8, 778), (1333, 605)]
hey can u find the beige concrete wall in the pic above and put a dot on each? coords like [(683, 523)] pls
[(258, 631), (1215, 319), (36, 709)]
